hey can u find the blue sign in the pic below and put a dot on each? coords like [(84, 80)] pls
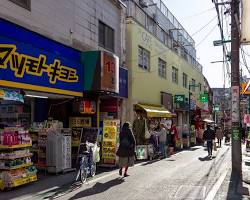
[(123, 82), (33, 62)]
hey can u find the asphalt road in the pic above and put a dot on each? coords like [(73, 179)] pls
[(186, 175)]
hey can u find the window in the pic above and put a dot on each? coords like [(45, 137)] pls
[(199, 87), (106, 37), (23, 3), (143, 58), (174, 75), (162, 71), (184, 79), (193, 85)]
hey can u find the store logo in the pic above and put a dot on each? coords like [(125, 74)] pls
[(245, 88), (21, 64)]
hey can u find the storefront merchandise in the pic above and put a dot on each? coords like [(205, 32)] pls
[(16, 167), (149, 118)]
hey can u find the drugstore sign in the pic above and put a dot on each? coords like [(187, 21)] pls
[(33, 62)]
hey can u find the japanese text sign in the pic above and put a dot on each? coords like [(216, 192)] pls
[(30, 61), (204, 97), (179, 98)]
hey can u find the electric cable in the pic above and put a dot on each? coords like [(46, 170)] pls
[(198, 14), (204, 26), (206, 35)]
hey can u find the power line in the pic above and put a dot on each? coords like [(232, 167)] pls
[(204, 26), (197, 14), (206, 36)]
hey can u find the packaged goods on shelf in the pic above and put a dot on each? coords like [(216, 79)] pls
[(14, 136), (16, 167)]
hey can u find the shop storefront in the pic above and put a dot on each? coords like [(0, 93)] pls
[(145, 128), (40, 80), (104, 79)]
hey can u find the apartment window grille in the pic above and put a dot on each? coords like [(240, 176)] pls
[(143, 58), (162, 68)]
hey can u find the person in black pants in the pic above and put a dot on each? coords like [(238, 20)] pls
[(209, 136)]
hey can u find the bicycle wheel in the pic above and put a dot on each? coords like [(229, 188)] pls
[(93, 169), (83, 175)]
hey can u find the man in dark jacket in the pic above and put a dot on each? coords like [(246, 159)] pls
[(209, 136)]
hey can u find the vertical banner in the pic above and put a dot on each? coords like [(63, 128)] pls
[(245, 22), (235, 103), (109, 142)]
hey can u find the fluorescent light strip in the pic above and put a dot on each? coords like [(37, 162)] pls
[(35, 96)]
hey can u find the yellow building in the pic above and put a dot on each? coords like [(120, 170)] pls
[(156, 69)]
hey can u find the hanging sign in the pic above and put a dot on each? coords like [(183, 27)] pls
[(204, 97), (179, 98), (11, 96), (88, 107)]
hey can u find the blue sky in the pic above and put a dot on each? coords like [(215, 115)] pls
[(193, 15)]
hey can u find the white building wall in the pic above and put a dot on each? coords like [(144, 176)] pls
[(71, 22)]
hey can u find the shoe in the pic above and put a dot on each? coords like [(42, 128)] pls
[(126, 175), (120, 172)]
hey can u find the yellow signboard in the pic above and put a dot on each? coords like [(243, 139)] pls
[(245, 89), (109, 142)]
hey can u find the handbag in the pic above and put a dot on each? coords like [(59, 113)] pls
[(147, 134)]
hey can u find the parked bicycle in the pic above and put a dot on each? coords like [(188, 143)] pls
[(87, 163)]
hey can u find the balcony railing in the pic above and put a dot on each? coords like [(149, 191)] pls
[(161, 23)]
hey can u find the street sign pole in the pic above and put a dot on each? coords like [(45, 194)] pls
[(235, 89)]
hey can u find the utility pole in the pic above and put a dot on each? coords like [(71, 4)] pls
[(235, 90)]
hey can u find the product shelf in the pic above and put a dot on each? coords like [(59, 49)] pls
[(16, 167), (16, 157), (21, 181), (15, 146)]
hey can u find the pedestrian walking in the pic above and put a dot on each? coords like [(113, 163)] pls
[(209, 136), (162, 134), (126, 150), (219, 135)]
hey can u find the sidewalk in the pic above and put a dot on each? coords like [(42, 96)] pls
[(233, 188), (47, 186)]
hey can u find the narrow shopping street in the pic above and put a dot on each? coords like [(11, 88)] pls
[(185, 175)]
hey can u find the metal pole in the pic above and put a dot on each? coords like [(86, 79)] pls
[(235, 83), (189, 105)]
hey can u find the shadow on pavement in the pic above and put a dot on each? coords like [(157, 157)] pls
[(150, 162), (235, 188), (98, 188), (191, 149), (207, 158)]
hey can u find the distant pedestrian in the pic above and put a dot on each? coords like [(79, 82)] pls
[(209, 136), (126, 150), (162, 139), (219, 135), (174, 136)]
